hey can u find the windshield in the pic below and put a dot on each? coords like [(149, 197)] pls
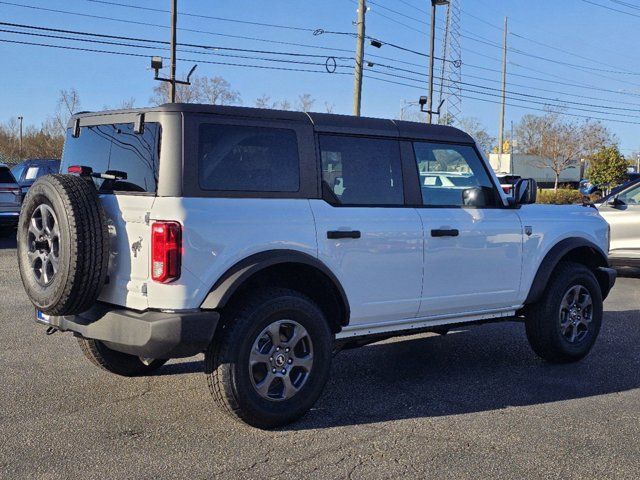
[(115, 150)]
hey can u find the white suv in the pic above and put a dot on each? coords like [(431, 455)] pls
[(269, 240)]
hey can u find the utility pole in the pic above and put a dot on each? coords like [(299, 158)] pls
[(432, 42), (174, 24), (20, 118), (504, 88), (357, 81)]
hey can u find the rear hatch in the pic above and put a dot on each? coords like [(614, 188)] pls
[(124, 167), (10, 197)]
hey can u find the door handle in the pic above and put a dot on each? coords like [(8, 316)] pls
[(445, 233), (334, 234)]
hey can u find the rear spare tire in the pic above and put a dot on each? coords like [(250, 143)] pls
[(63, 244)]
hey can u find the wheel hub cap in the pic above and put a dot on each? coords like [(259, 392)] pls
[(576, 313), (44, 244), (281, 360)]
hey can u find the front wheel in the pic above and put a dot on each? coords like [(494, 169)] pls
[(270, 360), (564, 324)]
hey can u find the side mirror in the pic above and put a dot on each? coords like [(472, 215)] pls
[(615, 202), (525, 191)]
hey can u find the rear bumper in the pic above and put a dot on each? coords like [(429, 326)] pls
[(150, 334)]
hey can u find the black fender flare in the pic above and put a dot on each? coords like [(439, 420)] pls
[(230, 281), (597, 260)]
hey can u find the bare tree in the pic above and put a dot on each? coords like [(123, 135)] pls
[(305, 102), (283, 105), (474, 127), (559, 144), (264, 101), (216, 91), (68, 104), (329, 107), (211, 90)]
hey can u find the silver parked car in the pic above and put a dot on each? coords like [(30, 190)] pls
[(10, 197), (622, 212)]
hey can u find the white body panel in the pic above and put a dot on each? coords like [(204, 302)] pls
[(485, 272), (129, 260), (551, 224), (219, 232), (381, 271), (477, 270)]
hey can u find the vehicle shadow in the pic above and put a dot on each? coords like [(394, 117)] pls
[(628, 272), (470, 370), (7, 238)]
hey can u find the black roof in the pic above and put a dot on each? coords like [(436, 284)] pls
[(322, 122)]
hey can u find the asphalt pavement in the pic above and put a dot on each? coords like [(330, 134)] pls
[(476, 403)]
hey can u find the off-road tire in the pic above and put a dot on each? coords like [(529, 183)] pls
[(83, 244), (227, 358), (116, 362), (543, 318)]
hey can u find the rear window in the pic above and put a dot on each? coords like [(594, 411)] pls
[(117, 148), (248, 159), (6, 176)]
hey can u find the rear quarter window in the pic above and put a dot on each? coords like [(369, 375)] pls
[(116, 147), (248, 159)]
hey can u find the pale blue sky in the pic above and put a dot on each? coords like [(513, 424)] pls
[(568, 43)]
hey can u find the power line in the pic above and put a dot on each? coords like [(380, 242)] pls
[(208, 17), (191, 30), (129, 54), (525, 107)]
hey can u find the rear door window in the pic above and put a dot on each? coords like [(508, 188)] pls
[(248, 159), (117, 148), (361, 171)]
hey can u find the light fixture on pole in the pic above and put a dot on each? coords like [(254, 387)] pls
[(429, 102)]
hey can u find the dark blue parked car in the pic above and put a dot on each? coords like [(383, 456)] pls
[(587, 188), (29, 171)]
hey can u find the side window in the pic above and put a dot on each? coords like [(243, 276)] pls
[(361, 171), (631, 197), (32, 173), (250, 159), (453, 175)]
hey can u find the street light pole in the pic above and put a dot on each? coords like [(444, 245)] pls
[(432, 44), (20, 118)]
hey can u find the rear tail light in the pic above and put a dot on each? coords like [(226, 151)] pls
[(80, 170), (166, 251)]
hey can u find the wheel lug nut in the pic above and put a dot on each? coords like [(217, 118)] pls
[(286, 349), (277, 349), (274, 370), (284, 371), (271, 359), (291, 360)]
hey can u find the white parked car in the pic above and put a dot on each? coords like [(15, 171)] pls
[(622, 211), (269, 239)]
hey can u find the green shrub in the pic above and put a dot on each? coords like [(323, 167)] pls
[(562, 196)]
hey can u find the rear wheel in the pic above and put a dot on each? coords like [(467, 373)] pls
[(270, 360), (564, 324), (117, 362)]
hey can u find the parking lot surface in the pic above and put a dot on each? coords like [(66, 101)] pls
[(475, 403)]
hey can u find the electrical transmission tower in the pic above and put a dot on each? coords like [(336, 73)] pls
[(451, 72)]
